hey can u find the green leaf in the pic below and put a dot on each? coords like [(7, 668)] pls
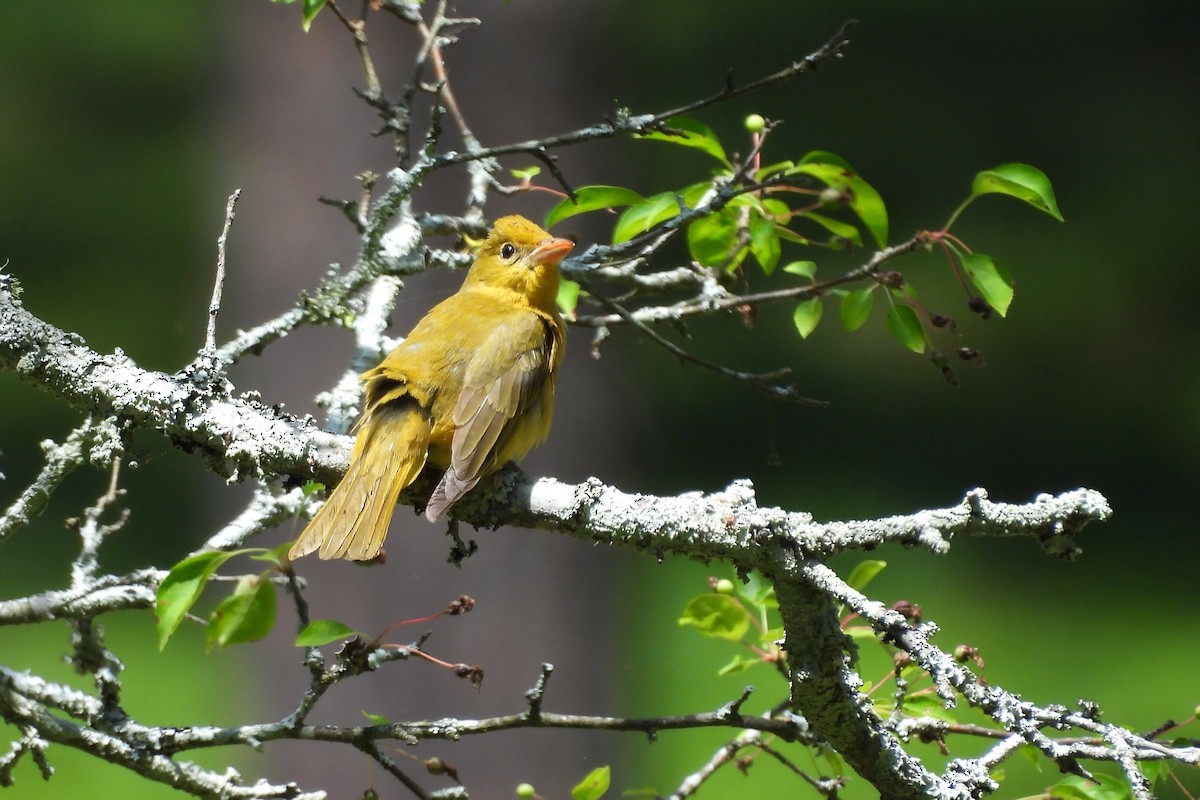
[(992, 281), (591, 198), (868, 205), (764, 243), (757, 589), (856, 307), (1020, 181), (691, 133), (712, 239), (1105, 787), (739, 664), (864, 572), (905, 325), (927, 705), (276, 556), (311, 9), (861, 634), (643, 216), (527, 174), (807, 315), (763, 173), (842, 230), (247, 615), (377, 719), (323, 631), (312, 487), (180, 589), (593, 786), (826, 157), (568, 297), (716, 615), (807, 269)]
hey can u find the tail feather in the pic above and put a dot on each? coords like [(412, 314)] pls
[(389, 454)]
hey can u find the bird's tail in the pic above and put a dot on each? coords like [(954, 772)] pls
[(388, 455)]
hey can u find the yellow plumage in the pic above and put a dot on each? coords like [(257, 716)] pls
[(470, 389)]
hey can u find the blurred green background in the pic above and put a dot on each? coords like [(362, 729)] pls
[(127, 124)]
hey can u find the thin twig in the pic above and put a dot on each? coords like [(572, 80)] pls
[(214, 306)]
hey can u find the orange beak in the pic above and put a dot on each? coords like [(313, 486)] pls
[(551, 251)]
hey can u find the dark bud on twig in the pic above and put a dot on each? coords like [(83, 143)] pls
[(460, 606), (909, 610), (980, 307)]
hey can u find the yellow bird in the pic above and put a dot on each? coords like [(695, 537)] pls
[(470, 389)]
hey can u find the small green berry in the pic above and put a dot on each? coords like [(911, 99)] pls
[(525, 790), (755, 123), (724, 586)]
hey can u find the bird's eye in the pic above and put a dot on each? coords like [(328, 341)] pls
[(508, 250)]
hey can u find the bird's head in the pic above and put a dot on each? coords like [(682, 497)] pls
[(519, 256)]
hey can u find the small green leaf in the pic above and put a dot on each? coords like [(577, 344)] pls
[(927, 705), (277, 555), (690, 133), (716, 615), (312, 487), (757, 589), (527, 174), (905, 325), (868, 205), (247, 615), (591, 198), (764, 243), (643, 216), (311, 9), (568, 297), (323, 631), (992, 281), (377, 719), (843, 230), (1021, 181), (864, 572), (861, 634), (856, 307), (807, 315), (713, 239), (180, 589), (593, 786), (739, 664), (763, 173), (806, 269), (826, 157)]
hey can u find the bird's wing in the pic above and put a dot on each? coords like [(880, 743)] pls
[(502, 382)]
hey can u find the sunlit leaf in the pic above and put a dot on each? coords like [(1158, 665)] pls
[(868, 205), (568, 297), (1021, 181), (856, 307), (764, 243), (905, 325), (717, 615), (247, 615), (864, 572), (591, 198), (807, 269), (843, 230), (757, 589), (527, 174), (644, 215), (311, 9), (323, 631), (690, 133), (180, 589), (992, 281), (739, 664), (713, 239), (593, 786), (807, 315), (377, 719)]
